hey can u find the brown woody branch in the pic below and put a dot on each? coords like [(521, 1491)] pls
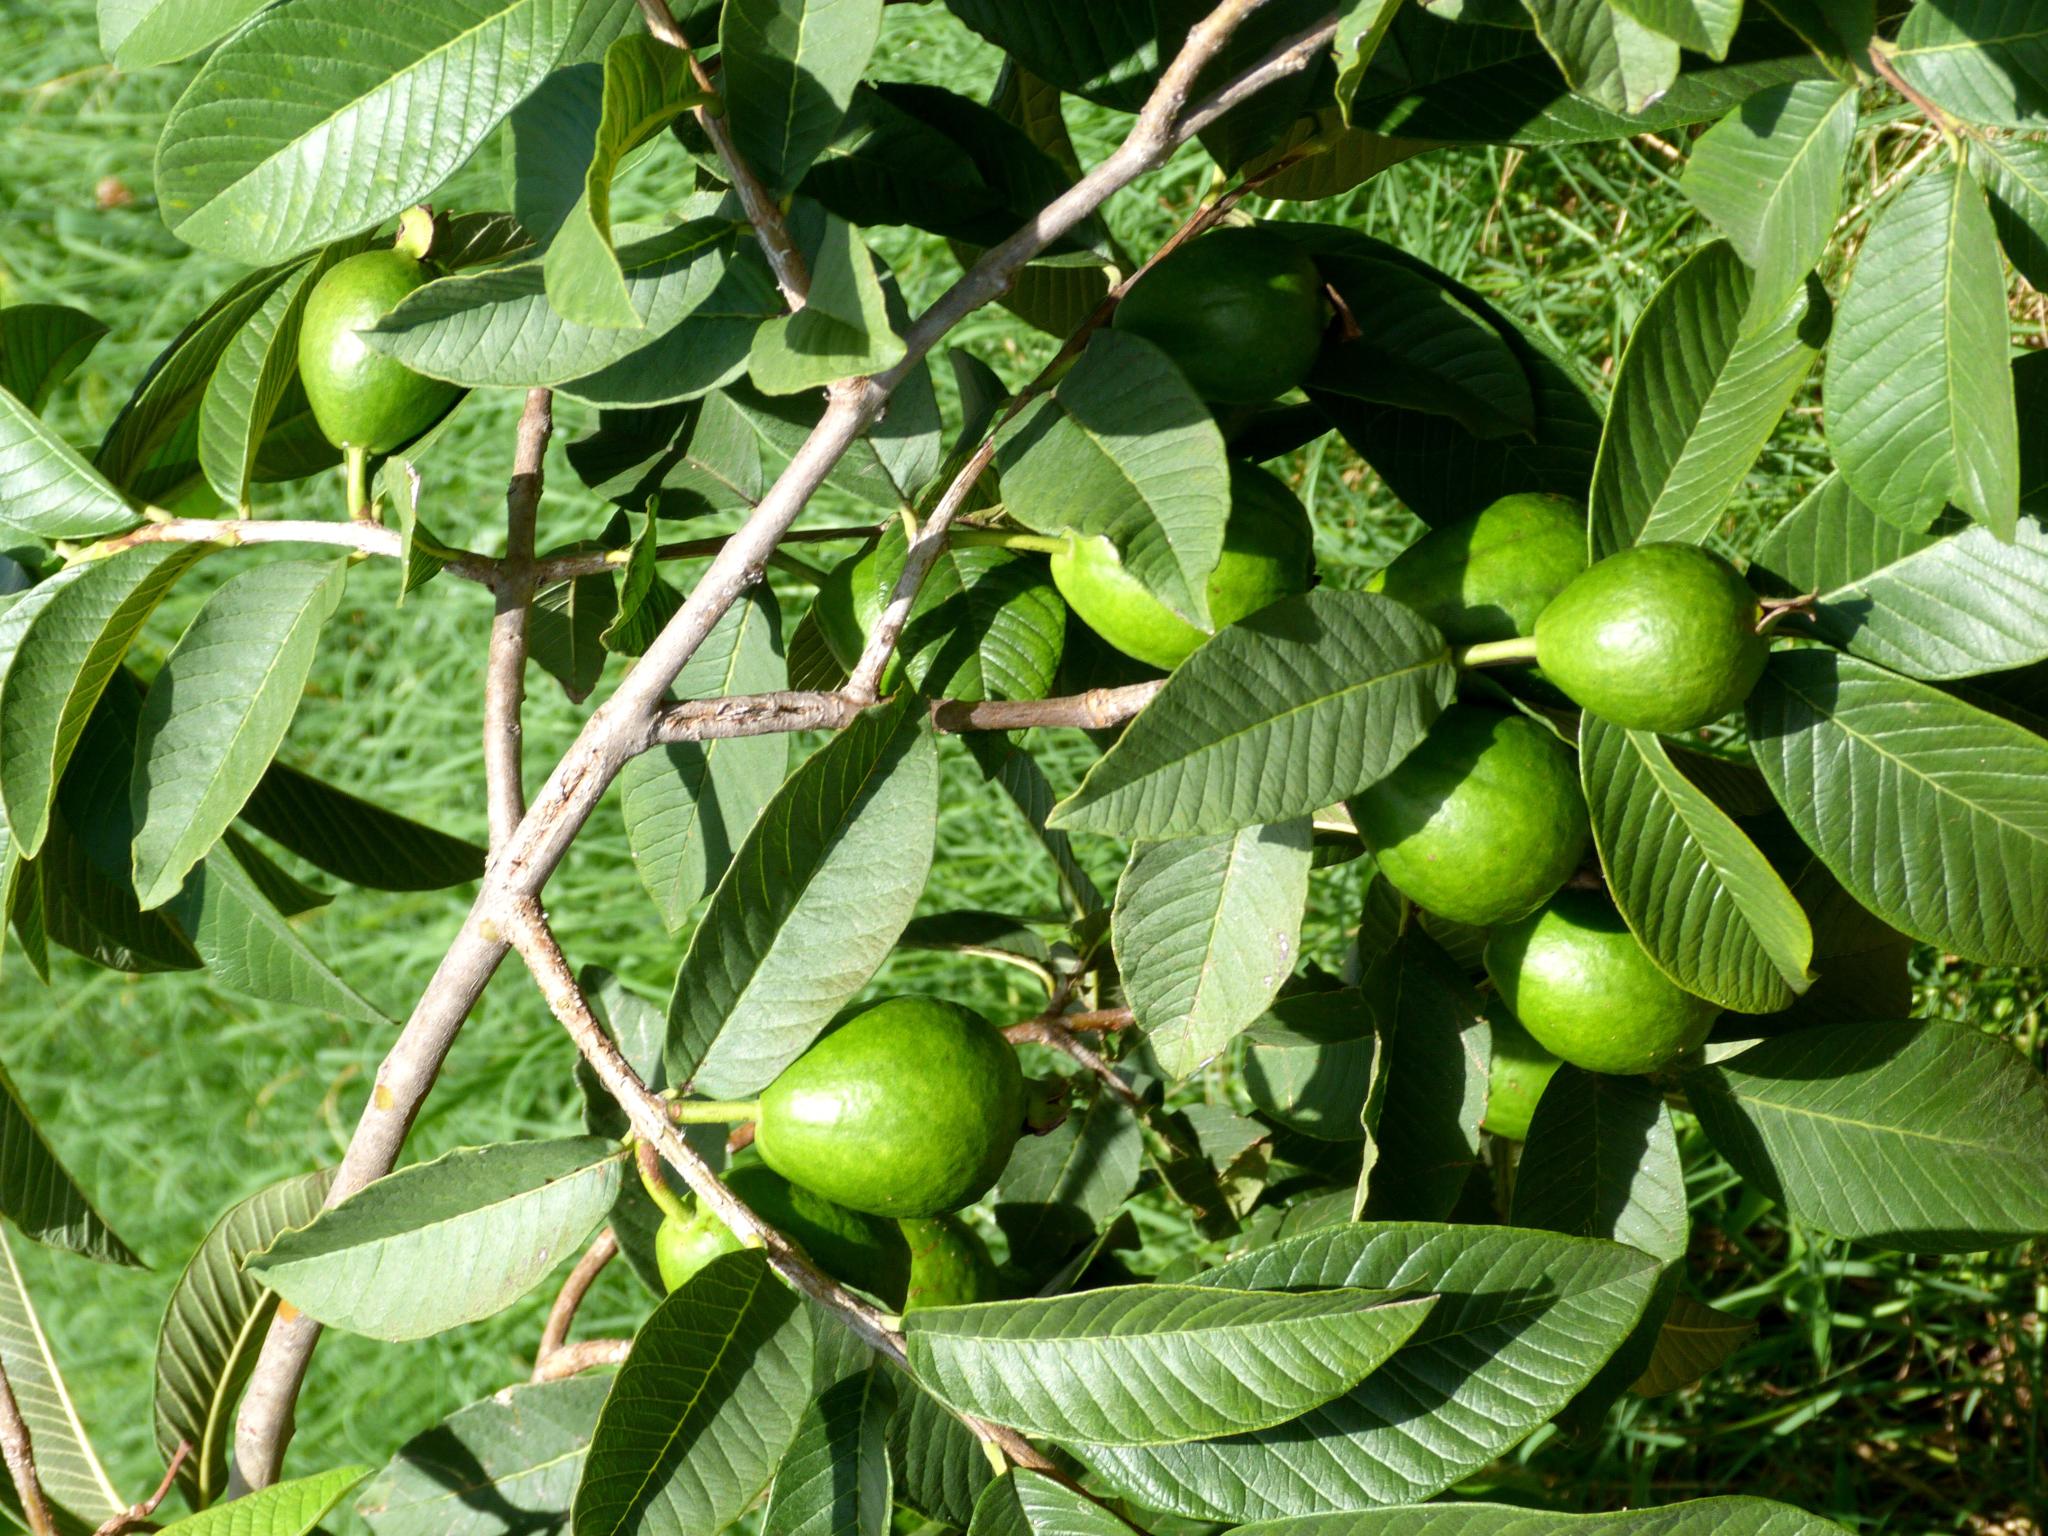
[(770, 714), (1055, 1034), (20, 1456), (136, 1516), (505, 668), (583, 1355), (554, 1335)]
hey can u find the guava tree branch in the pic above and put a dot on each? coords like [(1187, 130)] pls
[(136, 1516), (769, 714), (583, 1355), (233, 532), (554, 1335), (505, 667), (619, 726), (21, 1463)]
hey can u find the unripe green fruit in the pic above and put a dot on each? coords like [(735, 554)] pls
[(1587, 991), (360, 397), (1519, 1071), (1268, 554), (1660, 637), (1239, 311), (1482, 821), (681, 1248), (1489, 576), (909, 1108), (847, 1245), (949, 1265)]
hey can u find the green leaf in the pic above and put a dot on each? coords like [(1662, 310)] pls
[(1696, 1517), (1281, 714), (940, 1468), (1692, 887), (136, 34), (811, 905), (1605, 53), (1693, 1340), (65, 1460), (39, 1195), (283, 1509), (1124, 449), (1427, 1087), (1206, 929), (1060, 1188), (440, 1244), (843, 330), (1700, 389), (1916, 1134), (1984, 60), (2015, 173), (789, 70), (647, 85), (700, 288), (1706, 26), (703, 1409), (835, 1478), (1155, 1364), (52, 493), (40, 344), (1315, 1063), (1940, 605), (504, 1466), (1926, 809), (213, 1326), (385, 106), (1919, 390), (553, 139), (1522, 1321), (1108, 54), (219, 709), (687, 806), (354, 840), (1769, 177), (59, 646), (565, 631), (1601, 1160)]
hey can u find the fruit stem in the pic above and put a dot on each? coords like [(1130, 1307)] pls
[(713, 1111), (358, 462), (648, 1161), (1037, 543), (1495, 653)]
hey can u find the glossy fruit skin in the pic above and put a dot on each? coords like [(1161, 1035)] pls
[(1482, 821), (949, 1265), (1660, 637), (909, 1108), (681, 1248), (1488, 576), (1579, 982), (1239, 311), (1520, 1069), (847, 1245), (360, 397), (1268, 554)]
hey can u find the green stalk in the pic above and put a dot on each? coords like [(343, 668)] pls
[(667, 1200), (358, 461), (713, 1111), (1495, 653), (1037, 543)]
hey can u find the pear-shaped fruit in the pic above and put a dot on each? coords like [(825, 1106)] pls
[(848, 1245), (1488, 576), (1518, 1072), (1482, 821), (1660, 637), (1239, 311), (360, 397), (909, 1108), (1581, 984), (949, 1264), (1268, 554)]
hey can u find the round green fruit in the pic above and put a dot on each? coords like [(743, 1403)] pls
[(909, 1108), (1268, 554), (1482, 821), (1660, 637), (1239, 311), (681, 1248), (949, 1265), (1579, 982), (1488, 576), (1515, 1079), (360, 397), (848, 1245)]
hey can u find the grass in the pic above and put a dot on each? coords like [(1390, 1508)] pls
[(1892, 1392)]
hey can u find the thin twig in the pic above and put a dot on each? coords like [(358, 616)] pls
[(21, 1463), (1055, 1034), (137, 1515), (583, 1355), (505, 670), (565, 567), (1095, 1021), (771, 714), (555, 1334), (231, 533), (619, 726)]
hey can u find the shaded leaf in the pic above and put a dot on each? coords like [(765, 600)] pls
[(835, 1479), (1693, 1340), (355, 840), (789, 69), (2015, 175), (1984, 60), (40, 344), (65, 1460), (1601, 1160), (1428, 1092), (1605, 53), (52, 493), (1695, 1517), (283, 1509), (1061, 1187), (39, 1195)]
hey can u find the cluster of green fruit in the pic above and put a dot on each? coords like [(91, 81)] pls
[(865, 1145)]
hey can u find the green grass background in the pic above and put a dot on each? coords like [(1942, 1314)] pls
[(1891, 1392)]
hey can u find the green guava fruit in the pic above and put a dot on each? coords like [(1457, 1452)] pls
[(1268, 554), (909, 1108), (1239, 311), (847, 1245), (1488, 576), (1660, 637), (360, 397), (1579, 982), (1516, 1078), (949, 1265), (1482, 821)]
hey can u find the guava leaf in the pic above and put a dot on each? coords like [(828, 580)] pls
[(71, 1473), (1705, 26), (354, 839), (1693, 1340), (40, 344), (1984, 60), (283, 1509), (1601, 1160), (52, 493), (843, 329), (789, 68), (1107, 54), (1060, 1188), (1726, 1516), (1427, 1084), (39, 1195), (2015, 173), (1606, 54), (835, 1479)]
